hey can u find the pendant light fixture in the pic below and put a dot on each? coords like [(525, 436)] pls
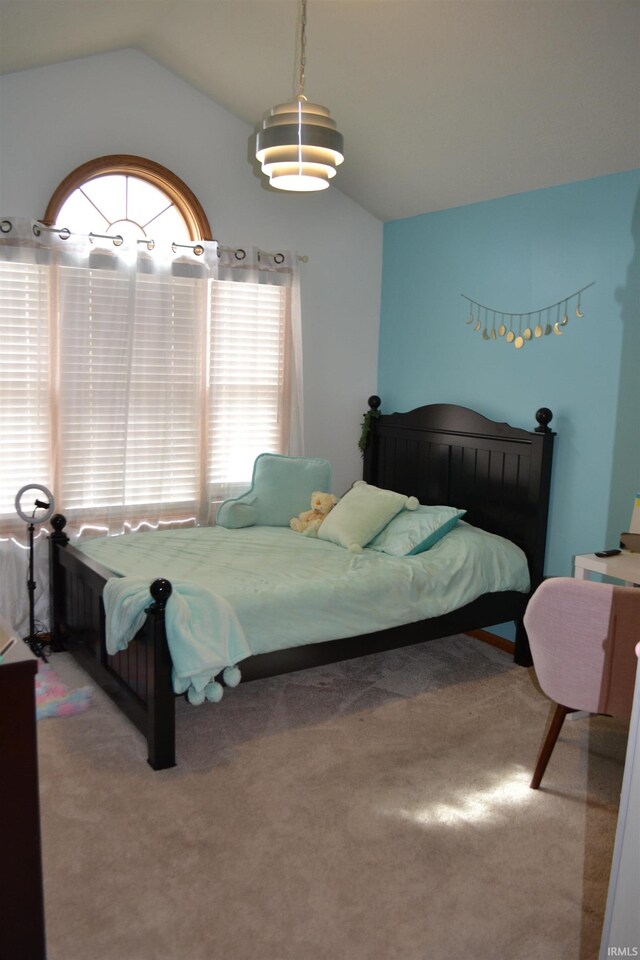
[(299, 145)]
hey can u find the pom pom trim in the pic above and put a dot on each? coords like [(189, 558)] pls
[(231, 676)]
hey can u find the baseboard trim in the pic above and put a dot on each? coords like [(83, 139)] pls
[(492, 639)]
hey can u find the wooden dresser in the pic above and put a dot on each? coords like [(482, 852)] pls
[(22, 931)]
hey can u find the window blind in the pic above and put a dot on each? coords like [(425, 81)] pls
[(127, 390), (247, 358), (130, 410)]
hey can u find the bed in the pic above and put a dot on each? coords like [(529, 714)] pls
[(442, 454)]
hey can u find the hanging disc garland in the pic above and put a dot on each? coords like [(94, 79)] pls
[(519, 340), (538, 327), (529, 325), (556, 326)]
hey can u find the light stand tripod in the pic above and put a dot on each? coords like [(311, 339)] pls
[(34, 640)]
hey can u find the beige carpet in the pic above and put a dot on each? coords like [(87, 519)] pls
[(377, 809)]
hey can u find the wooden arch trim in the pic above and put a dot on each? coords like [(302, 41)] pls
[(176, 189)]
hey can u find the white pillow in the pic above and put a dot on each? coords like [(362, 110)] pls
[(361, 514)]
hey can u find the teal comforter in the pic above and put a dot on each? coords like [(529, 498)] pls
[(259, 589)]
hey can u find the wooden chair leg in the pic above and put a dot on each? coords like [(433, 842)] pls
[(549, 743)]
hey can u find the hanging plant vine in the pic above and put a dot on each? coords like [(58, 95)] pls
[(367, 420)]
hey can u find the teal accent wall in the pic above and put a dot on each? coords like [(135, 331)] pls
[(520, 253)]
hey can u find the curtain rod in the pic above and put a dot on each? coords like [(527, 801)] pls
[(64, 233), (240, 254)]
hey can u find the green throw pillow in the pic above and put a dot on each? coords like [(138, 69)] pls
[(361, 514)]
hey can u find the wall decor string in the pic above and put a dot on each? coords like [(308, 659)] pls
[(517, 328)]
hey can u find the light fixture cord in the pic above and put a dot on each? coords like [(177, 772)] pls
[(303, 47)]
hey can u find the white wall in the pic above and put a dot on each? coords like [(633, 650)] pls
[(52, 119)]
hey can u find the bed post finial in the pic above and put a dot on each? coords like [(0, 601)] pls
[(160, 590), (374, 402), (58, 522), (544, 417)]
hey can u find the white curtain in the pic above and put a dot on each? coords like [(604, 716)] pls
[(255, 371), (138, 383)]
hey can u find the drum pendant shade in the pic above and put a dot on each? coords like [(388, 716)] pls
[(299, 146)]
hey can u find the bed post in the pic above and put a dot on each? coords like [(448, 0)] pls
[(541, 453), (368, 443), (522, 653), (161, 709), (57, 540)]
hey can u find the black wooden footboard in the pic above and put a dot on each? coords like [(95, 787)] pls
[(137, 679)]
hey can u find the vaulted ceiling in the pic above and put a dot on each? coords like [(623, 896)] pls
[(441, 102)]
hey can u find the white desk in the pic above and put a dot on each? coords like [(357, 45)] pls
[(625, 566)]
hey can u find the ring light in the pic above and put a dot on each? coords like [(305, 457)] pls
[(41, 511)]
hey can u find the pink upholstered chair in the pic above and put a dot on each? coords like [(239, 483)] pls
[(582, 635)]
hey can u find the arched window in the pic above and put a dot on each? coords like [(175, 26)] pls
[(130, 196), (141, 379)]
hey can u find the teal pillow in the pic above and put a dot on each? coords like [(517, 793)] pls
[(235, 514), (281, 488), (414, 532)]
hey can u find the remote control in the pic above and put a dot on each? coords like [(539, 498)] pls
[(607, 553)]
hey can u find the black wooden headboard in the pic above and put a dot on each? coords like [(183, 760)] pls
[(445, 454)]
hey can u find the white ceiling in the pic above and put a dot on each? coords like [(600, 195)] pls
[(441, 102)]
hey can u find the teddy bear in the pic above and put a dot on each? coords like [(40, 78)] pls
[(309, 521)]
